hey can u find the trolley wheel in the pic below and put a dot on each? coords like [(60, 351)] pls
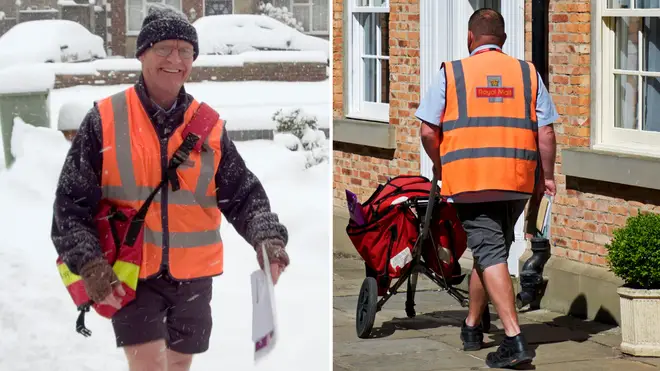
[(366, 307), (485, 320)]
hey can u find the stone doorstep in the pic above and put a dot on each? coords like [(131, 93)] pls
[(575, 288)]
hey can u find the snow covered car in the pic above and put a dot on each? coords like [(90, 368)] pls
[(238, 33), (49, 41)]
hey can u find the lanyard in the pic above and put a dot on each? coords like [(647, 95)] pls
[(487, 50)]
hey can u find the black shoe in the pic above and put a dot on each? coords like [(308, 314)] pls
[(512, 352), (472, 337)]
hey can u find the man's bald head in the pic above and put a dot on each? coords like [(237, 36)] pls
[(487, 27)]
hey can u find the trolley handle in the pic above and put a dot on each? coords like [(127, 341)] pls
[(429, 208)]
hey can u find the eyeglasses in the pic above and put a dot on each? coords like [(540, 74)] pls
[(165, 51)]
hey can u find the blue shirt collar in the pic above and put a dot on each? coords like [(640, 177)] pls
[(486, 46)]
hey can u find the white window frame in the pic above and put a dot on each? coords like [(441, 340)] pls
[(604, 136), (310, 5), (130, 32), (357, 107), (233, 8)]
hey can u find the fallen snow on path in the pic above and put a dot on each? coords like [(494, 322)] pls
[(245, 105), (37, 318)]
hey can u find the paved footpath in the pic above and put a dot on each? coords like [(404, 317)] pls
[(430, 341)]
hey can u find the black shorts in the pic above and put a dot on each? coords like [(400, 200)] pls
[(490, 229), (178, 312)]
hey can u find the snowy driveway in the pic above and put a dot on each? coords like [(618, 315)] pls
[(37, 317)]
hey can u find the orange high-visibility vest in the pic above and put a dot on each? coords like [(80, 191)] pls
[(132, 170), (489, 125)]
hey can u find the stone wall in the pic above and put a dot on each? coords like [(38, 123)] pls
[(247, 72)]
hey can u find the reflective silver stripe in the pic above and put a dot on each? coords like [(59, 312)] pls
[(183, 239), (180, 197), (472, 153), (463, 121), (123, 143), (461, 94), (206, 175), (129, 190), (485, 122), (527, 89)]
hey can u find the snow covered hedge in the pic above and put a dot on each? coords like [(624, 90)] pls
[(282, 14), (299, 132)]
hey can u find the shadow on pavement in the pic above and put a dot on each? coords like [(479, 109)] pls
[(559, 329)]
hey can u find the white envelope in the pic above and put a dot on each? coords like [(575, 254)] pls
[(263, 311)]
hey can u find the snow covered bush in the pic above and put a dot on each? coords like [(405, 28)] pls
[(299, 132), (294, 122), (282, 14)]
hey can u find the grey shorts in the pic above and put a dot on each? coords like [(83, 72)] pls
[(178, 312), (490, 229)]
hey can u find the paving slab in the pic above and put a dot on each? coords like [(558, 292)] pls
[(430, 340)]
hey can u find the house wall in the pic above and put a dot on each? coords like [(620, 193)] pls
[(124, 45), (360, 168), (116, 40), (585, 212), (245, 6)]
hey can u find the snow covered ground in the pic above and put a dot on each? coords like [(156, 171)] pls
[(37, 317)]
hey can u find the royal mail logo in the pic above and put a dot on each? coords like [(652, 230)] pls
[(494, 90)]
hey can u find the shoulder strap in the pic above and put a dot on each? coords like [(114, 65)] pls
[(194, 135)]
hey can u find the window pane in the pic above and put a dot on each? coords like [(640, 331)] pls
[(176, 4), (301, 14), (369, 31), (616, 4), (280, 3), (216, 7), (320, 12), (369, 79), (384, 3), (362, 2), (627, 43), (625, 101), (383, 22), (651, 102), (651, 60), (134, 18), (647, 4), (385, 81), (301, 1)]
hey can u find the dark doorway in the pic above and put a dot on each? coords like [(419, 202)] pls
[(540, 36)]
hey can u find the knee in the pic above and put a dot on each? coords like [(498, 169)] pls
[(178, 362), (150, 357)]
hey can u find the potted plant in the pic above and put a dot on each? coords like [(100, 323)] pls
[(634, 256)]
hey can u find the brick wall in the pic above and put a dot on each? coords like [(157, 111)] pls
[(117, 27), (248, 72), (585, 212), (359, 168)]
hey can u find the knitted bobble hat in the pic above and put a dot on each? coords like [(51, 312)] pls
[(165, 23)]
